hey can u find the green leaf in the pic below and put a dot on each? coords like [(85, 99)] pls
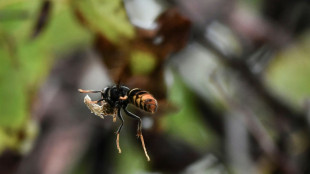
[(106, 17), (288, 74), (25, 63), (187, 124), (142, 63)]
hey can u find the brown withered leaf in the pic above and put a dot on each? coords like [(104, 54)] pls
[(175, 30), (170, 36), (115, 57)]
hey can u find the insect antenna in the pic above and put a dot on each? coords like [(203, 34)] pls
[(118, 84)]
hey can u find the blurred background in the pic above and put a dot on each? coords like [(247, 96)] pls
[(232, 79)]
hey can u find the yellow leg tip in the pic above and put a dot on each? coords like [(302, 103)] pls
[(144, 148), (117, 143)]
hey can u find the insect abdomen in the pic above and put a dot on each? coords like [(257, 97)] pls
[(142, 99)]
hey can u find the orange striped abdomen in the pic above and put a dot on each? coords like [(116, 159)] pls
[(142, 99)]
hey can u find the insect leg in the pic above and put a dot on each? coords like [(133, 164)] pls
[(122, 120), (139, 130), (135, 117), (119, 129)]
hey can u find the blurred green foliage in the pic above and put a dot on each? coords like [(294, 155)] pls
[(186, 124), (25, 63), (142, 63), (289, 73), (106, 17)]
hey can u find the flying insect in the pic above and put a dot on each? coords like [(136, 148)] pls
[(116, 98)]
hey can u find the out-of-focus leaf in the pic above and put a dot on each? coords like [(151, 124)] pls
[(175, 28), (186, 124), (105, 17), (24, 64), (7, 140), (20, 140), (19, 27), (142, 63), (12, 100), (288, 75)]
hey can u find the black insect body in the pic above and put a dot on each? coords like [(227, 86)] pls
[(117, 98)]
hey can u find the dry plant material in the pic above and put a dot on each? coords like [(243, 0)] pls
[(100, 110)]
